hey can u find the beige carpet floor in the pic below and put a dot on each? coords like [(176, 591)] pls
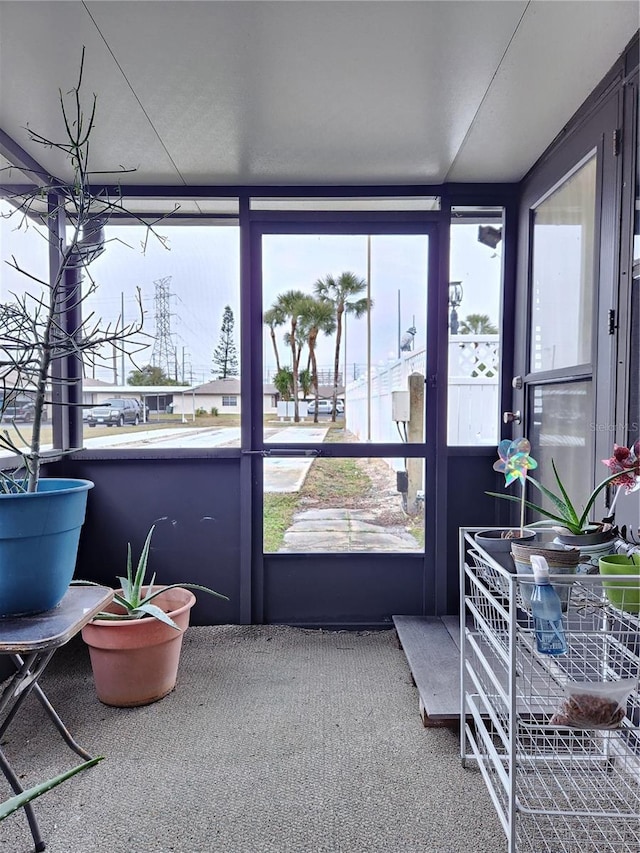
[(276, 740)]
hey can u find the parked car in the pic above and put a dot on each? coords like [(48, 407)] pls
[(19, 410), (115, 413), (325, 407)]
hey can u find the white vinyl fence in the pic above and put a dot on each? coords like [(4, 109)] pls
[(473, 416)]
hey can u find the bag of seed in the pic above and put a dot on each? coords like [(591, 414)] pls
[(594, 704)]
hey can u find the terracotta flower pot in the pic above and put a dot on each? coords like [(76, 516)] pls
[(135, 661)]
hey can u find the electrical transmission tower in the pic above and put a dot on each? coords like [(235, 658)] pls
[(163, 354)]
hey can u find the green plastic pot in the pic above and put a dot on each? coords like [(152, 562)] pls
[(623, 594)]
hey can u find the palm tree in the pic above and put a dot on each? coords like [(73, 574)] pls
[(273, 318), (291, 305), (477, 324), (344, 295), (306, 383), (317, 316), (283, 382)]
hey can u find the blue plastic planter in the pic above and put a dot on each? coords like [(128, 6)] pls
[(39, 535)]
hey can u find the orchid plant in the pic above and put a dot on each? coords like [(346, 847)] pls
[(515, 461)]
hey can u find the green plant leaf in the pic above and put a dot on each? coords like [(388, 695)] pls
[(157, 613), (564, 511), (570, 507), (594, 495), (15, 803), (563, 521), (186, 586), (142, 563), (127, 598)]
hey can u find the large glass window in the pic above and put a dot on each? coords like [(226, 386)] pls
[(344, 317), (562, 433), (184, 369), (474, 329), (24, 263), (563, 273)]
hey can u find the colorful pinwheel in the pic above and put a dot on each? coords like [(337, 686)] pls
[(514, 463), (514, 460)]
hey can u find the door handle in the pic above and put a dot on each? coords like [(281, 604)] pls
[(512, 417), (285, 452), (292, 452)]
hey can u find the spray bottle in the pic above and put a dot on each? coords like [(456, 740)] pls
[(546, 610)]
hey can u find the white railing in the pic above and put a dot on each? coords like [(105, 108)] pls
[(474, 366)]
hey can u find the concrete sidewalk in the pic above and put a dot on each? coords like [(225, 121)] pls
[(340, 530)]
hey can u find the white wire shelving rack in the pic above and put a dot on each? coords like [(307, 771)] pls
[(556, 789)]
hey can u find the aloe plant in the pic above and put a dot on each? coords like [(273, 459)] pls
[(564, 511), (20, 800), (132, 598)]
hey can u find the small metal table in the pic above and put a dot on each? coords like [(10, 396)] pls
[(30, 642)]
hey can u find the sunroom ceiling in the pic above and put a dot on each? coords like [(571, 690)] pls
[(307, 93)]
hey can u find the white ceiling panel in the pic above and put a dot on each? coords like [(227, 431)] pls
[(555, 59), (309, 92)]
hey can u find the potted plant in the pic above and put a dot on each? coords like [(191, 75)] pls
[(624, 591), (625, 465), (43, 330), (135, 645)]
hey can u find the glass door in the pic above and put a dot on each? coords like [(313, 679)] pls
[(343, 443), (566, 344)]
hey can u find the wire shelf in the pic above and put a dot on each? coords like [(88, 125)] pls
[(557, 788)]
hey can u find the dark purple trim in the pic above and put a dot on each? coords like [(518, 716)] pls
[(24, 162), (250, 557)]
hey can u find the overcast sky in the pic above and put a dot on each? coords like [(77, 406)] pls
[(203, 271)]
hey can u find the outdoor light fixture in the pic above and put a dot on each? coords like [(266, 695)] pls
[(455, 298), (489, 236)]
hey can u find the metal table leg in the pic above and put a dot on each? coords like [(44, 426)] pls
[(17, 788), (44, 701), (23, 682)]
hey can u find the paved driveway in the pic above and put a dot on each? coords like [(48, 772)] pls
[(281, 473)]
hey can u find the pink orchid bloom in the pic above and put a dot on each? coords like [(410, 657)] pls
[(626, 462)]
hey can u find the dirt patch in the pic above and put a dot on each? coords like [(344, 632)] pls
[(382, 499), (379, 497), (372, 489)]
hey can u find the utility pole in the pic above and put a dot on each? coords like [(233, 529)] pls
[(163, 354), (124, 380)]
